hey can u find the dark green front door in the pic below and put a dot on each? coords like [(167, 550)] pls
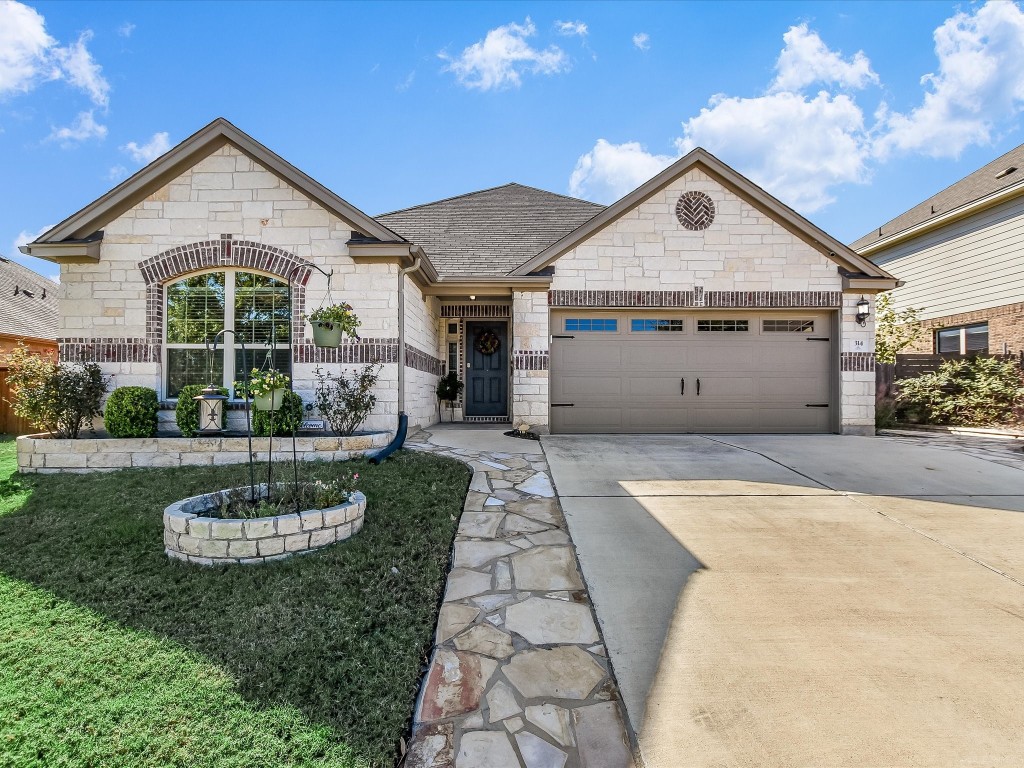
[(486, 369)]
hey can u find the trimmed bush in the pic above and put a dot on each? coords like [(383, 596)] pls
[(131, 412), (285, 420), (186, 415)]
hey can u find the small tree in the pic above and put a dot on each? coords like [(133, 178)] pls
[(448, 389), (58, 397), (895, 330), (346, 401)]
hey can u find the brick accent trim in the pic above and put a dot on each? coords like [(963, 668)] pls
[(863, 362), (175, 262), (476, 310), (697, 298), (421, 361), (107, 350), (530, 360), (351, 352)]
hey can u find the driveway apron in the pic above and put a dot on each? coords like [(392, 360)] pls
[(804, 600)]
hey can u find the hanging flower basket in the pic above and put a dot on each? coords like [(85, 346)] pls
[(270, 402), (327, 335), (487, 342), (266, 388)]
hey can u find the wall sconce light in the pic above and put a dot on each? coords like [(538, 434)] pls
[(211, 410), (862, 311), (472, 297)]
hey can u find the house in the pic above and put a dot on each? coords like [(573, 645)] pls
[(960, 255), (28, 315), (698, 302)]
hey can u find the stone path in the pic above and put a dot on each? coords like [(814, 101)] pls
[(519, 676), (1007, 452)]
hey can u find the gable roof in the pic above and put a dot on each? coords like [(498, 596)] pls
[(174, 162), (785, 216), (28, 302), (943, 206), (490, 232)]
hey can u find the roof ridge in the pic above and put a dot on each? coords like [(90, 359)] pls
[(482, 191)]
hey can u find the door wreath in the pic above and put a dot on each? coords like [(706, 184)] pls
[(486, 342)]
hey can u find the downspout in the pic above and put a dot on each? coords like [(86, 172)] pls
[(417, 263)]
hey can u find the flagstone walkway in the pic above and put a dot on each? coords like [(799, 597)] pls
[(519, 677)]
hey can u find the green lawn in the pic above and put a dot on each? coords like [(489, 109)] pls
[(112, 655)]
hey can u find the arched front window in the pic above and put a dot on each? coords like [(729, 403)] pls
[(254, 306)]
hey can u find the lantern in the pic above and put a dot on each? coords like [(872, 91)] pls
[(211, 410), (863, 311)]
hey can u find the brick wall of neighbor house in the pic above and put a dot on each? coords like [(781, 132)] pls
[(530, 358), (104, 309), (742, 251), (423, 355), (1005, 327)]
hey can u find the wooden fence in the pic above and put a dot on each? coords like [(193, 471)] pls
[(10, 424), (912, 366)]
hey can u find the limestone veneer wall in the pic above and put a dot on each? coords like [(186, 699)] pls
[(42, 454), (424, 356), (530, 318)]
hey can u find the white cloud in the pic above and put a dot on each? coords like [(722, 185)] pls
[(571, 28), (806, 59), (609, 171), (117, 172), (978, 87), (151, 150), (81, 69), (501, 58), (642, 41), (406, 84), (126, 29), (24, 48), (24, 237), (83, 128)]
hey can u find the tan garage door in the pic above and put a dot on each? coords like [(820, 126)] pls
[(643, 371)]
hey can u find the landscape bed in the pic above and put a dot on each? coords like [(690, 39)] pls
[(112, 654)]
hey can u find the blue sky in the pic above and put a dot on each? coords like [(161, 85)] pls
[(850, 112)]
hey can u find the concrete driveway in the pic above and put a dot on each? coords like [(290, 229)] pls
[(804, 600)]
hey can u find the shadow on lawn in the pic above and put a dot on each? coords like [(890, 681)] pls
[(335, 634)]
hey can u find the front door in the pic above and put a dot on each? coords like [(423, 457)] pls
[(486, 369)]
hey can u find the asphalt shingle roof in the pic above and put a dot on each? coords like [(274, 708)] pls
[(981, 183), (29, 312), (490, 232)]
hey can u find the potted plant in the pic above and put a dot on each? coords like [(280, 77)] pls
[(332, 322), (449, 388), (266, 388)]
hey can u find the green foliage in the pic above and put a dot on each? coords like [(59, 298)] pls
[(346, 401), (186, 415), (113, 655), (885, 414), (894, 330), (336, 314), (449, 387), (318, 494), (131, 412), (61, 398), (262, 383), (975, 392), (286, 420)]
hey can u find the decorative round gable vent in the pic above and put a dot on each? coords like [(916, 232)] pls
[(695, 210)]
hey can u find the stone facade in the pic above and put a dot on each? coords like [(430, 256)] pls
[(192, 537), (43, 455), (529, 358)]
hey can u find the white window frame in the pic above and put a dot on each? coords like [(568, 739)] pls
[(227, 343)]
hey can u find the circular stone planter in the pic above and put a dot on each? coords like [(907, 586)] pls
[(191, 536)]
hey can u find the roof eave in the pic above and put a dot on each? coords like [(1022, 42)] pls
[(488, 285), (84, 251)]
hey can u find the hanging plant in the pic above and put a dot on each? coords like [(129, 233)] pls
[(487, 342), (331, 322)]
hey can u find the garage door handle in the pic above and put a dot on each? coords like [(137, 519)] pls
[(698, 387), (816, 405), (682, 386), (562, 337)]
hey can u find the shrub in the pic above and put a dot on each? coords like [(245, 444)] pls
[(286, 420), (976, 392), (131, 412), (186, 414), (58, 397), (346, 402), (894, 330)]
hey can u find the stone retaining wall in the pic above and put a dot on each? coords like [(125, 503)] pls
[(43, 454), (191, 537)]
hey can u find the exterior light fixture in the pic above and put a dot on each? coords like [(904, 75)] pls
[(472, 297), (862, 311), (211, 410)]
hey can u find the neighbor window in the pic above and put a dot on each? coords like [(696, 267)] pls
[(646, 326), (962, 339), (723, 325), (255, 307), (602, 324), (787, 326)]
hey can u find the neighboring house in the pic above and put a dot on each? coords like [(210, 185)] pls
[(696, 303), (28, 315), (960, 254)]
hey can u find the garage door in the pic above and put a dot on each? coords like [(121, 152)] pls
[(638, 372)]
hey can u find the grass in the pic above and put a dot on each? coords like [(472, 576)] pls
[(112, 655)]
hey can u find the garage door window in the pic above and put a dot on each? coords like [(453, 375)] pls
[(723, 325), (596, 324), (787, 326), (643, 325)]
